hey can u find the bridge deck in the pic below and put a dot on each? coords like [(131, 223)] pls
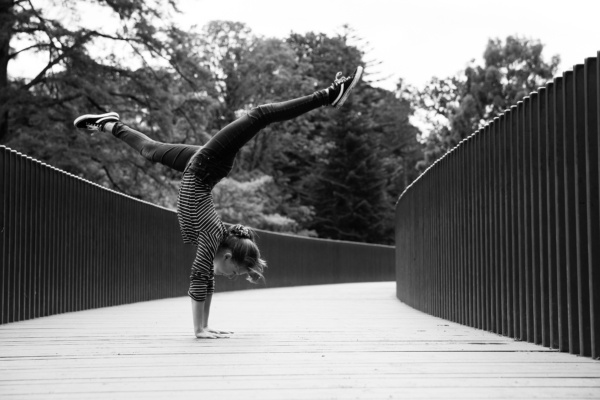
[(318, 342)]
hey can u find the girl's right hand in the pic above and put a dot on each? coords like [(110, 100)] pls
[(209, 335), (207, 329)]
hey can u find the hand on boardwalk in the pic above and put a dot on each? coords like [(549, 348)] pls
[(208, 333), (207, 329)]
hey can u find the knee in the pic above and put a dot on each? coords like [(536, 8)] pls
[(261, 114), (148, 150)]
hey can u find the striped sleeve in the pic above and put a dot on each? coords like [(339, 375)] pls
[(202, 280)]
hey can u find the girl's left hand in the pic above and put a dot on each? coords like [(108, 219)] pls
[(216, 332)]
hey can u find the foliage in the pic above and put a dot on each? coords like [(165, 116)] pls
[(328, 173), (156, 82), (458, 106), (331, 173), (350, 188), (251, 201), (364, 154)]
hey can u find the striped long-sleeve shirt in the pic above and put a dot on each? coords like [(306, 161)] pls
[(200, 225)]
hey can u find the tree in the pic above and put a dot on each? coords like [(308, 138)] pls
[(249, 71), (184, 87), (394, 136), (156, 81), (351, 202), (251, 201), (352, 166), (460, 105)]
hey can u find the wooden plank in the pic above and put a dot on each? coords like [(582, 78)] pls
[(329, 341)]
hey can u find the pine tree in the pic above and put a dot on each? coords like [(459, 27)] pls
[(350, 189)]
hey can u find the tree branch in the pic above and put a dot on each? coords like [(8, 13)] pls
[(109, 176), (128, 96), (107, 172), (205, 135), (95, 104), (51, 63), (16, 53), (42, 73), (152, 49)]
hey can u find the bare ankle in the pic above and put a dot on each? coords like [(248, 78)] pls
[(108, 127)]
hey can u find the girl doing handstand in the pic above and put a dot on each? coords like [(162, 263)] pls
[(220, 251)]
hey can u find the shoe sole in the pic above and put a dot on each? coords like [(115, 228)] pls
[(357, 75), (86, 116)]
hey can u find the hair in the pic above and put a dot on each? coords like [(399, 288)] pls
[(241, 241)]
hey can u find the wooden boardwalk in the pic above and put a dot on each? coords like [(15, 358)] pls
[(351, 341)]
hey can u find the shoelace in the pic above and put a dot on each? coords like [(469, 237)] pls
[(339, 78), (93, 127)]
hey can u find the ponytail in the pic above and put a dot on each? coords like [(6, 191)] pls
[(241, 241)]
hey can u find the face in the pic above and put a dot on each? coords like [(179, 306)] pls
[(224, 265)]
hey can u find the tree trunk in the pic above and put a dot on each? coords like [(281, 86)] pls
[(6, 25)]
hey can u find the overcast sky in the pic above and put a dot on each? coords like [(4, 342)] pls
[(413, 39), (418, 39)]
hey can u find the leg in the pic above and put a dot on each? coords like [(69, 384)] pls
[(175, 156), (220, 150), (214, 161), (229, 140)]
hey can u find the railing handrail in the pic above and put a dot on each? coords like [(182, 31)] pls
[(68, 244), (502, 233), (73, 176)]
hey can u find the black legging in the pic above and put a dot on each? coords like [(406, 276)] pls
[(215, 159)]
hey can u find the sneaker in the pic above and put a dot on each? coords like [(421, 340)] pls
[(342, 86), (95, 122)]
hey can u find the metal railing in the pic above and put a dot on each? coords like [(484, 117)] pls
[(503, 232), (67, 244)]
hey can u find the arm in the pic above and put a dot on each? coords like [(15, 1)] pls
[(205, 318), (200, 311), (210, 232), (206, 311), (202, 285)]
